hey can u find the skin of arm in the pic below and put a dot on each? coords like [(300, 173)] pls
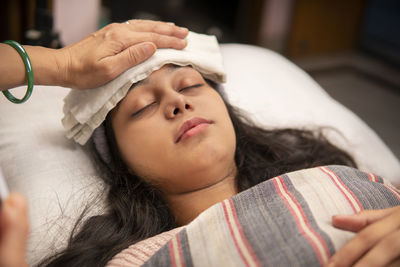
[(44, 63)]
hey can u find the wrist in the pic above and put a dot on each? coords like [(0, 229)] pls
[(46, 65), (13, 73), (63, 62)]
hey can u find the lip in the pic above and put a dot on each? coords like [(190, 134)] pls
[(190, 124)]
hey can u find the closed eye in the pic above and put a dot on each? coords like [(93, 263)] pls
[(140, 111), (137, 113), (191, 87)]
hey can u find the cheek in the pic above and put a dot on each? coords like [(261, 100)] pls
[(224, 138), (223, 118), (143, 150), (228, 135)]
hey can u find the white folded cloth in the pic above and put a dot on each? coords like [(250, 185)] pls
[(85, 110)]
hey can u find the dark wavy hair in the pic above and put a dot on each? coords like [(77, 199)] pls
[(137, 211)]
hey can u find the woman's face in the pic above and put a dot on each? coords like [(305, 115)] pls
[(174, 131)]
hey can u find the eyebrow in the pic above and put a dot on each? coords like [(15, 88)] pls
[(170, 69)]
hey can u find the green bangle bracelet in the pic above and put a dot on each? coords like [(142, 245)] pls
[(29, 72)]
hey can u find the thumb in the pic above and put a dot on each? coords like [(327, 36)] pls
[(14, 230), (359, 221), (132, 56)]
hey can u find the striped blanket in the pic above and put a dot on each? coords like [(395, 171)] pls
[(285, 221)]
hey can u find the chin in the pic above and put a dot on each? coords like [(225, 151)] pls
[(209, 156)]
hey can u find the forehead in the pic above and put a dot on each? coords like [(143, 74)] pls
[(166, 69)]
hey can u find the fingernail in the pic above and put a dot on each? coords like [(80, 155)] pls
[(10, 208), (17, 201), (148, 49), (183, 29), (183, 42)]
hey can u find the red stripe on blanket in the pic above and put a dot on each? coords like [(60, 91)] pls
[(182, 261), (239, 227), (372, 177), (171, 253), (247, 254), (315, 240), (393, 191), (348, 194), (176, 252)]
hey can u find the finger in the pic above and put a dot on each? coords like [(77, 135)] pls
[(14, 231), (386, 251), (120, 39), (161, 41), (366, 239), (358, 221), (163, 28), (128, 58), (121, 36)]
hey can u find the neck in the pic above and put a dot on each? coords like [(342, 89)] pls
[(187, 206)]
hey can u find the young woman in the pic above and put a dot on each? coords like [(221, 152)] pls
[(177, 148)]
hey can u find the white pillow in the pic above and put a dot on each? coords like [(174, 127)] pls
[(58, 177), (55, 174), (276, 93)]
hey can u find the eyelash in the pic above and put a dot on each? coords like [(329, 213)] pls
[(180, 90), (191, 87), (142, 109)]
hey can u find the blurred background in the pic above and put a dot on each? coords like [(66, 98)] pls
[(350, 47)]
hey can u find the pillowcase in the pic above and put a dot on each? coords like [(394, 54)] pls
[(59, 178)]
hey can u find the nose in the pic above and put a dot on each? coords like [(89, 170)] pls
[(176, 104)]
